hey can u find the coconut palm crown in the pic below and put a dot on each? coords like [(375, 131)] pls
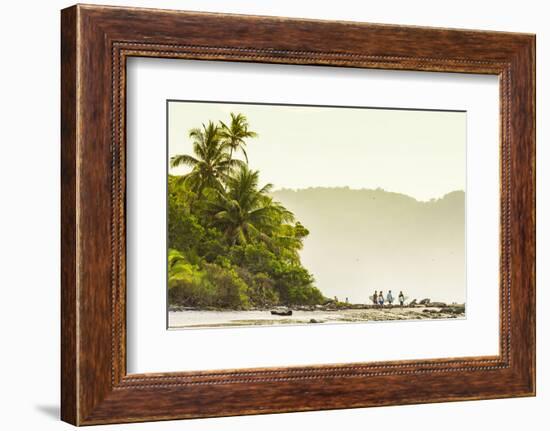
[(212, 162), (246, 211), (235, 133)]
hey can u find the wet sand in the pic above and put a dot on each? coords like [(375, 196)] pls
[(213, 319)]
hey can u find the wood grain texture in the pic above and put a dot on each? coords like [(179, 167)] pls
[(96, 41), (69, 367)]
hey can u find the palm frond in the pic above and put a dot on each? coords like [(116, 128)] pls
[(266, 189), (182, 159)]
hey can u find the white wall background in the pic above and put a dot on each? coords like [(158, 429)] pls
[(29, 215)]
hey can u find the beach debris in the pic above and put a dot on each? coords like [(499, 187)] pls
[(425, 301)]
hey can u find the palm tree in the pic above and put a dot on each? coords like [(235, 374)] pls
[(245, 212), (212, 162), (235, 134)]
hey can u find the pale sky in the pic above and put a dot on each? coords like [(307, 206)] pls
[(418, 153)]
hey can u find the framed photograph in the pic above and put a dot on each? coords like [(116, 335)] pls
[(267, 215), (344, 209)]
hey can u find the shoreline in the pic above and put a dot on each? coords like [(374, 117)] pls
[(329, 307), (240, 318)]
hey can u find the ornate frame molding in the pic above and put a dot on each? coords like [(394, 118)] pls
[(96, 41)]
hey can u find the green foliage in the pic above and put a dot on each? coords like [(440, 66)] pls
[(235, 134), (209, 286), (231, 245), (231, 290), (211, 163)]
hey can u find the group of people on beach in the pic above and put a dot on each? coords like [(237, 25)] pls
[(378, 298)]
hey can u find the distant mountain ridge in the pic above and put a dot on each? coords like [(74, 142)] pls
[(365, 240)]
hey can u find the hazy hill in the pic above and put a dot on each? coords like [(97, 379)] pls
[(366, 240)]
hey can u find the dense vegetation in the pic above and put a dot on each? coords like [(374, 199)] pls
[(230, 244)]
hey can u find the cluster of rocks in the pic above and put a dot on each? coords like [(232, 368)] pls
[(453, 309), (444, 307), (426, 303), (333, 306)]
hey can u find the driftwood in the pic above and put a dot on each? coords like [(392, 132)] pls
[(282, 312)]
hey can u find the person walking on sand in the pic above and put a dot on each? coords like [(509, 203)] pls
[(375, 297), (381, 299), (401, 299), (389, 298)]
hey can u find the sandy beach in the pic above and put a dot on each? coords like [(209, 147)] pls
[(212, 319)]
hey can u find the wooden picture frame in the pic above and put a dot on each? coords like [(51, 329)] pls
[(95, 43)]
